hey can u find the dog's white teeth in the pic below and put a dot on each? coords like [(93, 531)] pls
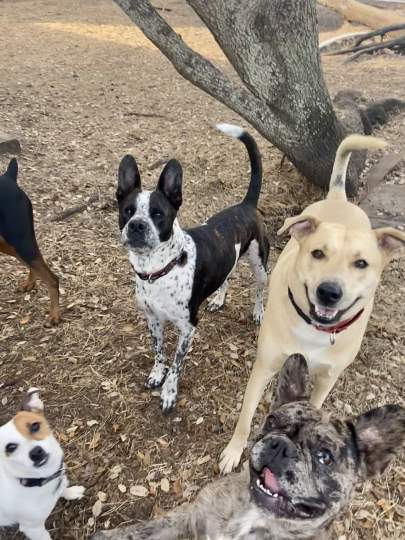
[(267, 491), (326, 313)]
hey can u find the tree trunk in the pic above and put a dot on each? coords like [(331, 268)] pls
[(273, 47), (368, 15)]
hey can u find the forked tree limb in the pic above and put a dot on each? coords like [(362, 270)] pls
[(396, 45), (197, 69), (361, 13)]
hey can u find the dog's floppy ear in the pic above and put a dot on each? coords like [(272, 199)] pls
[(293, 381), (380, 433), (299, 226), (32, 402), (129, 178), (391, 243), (170, 183), (12, 169)]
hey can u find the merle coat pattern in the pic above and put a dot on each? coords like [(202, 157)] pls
[(302, 472), (185, 267)]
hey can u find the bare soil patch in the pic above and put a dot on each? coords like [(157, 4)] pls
[(82, 86)]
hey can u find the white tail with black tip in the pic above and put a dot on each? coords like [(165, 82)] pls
[(337, 185), (253, 192)]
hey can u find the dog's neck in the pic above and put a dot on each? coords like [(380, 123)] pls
[(153, 260)]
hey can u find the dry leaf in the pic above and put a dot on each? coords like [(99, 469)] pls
[(102, 496), (97, 508), (95, 440), (165, 485), (92, 423), (202, 460), (139, 491), (115, 472)]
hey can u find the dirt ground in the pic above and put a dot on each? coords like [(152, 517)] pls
[(82, 86)]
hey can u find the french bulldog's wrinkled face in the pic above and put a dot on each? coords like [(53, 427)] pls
[(27, 447), (146, 217), (340, 268), (306, 463)]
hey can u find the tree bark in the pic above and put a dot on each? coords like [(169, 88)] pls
[(368, 15), (273, 47)]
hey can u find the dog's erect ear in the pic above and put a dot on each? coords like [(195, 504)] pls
[(299, 226), (293, 381), (32, 402), (391, 243), (380, 434), (170, 183), (12, 169), (129, 178)]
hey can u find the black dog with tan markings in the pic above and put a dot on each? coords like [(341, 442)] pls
[(302, 472)]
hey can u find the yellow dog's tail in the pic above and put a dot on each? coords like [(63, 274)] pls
[(337, 185)]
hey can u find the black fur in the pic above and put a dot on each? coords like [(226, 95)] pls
[(16, 217)]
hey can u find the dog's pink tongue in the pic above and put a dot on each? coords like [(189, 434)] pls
[(270, 481)]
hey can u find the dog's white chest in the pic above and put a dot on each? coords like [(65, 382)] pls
[(26, 504), (167, 298)]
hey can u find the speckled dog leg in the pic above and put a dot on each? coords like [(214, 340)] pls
[(168, 396), (159, 370)]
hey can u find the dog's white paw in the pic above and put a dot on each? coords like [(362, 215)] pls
[(216, 303), (231, 455), (156, 376), (168, 395), (258, 314), (73, 492)]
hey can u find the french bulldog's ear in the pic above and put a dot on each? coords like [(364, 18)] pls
[(32, 402), (129, 178), (299, 226), (380, 433), (12, 169), (170, 183), (391, 243), (293, 381)]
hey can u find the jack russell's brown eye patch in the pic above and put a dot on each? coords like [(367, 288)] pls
[(32, 426)]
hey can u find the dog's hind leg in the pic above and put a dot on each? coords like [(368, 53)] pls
[(168, 396), (29, 284), (159, 370), (218, 300), (41, 270), (258, 255)]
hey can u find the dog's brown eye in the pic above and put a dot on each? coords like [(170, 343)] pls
[(35, 427), (11, 447), (324, 457), (360, 263), (318, 254)]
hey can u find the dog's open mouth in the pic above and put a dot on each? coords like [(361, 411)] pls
[(268, 494), (325, 313)]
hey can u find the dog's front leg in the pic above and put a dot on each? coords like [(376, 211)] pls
[(168, 396), (159, 370), (37, 532), (258, 380)]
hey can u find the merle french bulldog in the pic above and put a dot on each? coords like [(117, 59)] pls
[(177, 269), (302, 472)]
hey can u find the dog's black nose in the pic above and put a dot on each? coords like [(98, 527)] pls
[(280, 448), (329, 293), (137, 226), (37, 454)]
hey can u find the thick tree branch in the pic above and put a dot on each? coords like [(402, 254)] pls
[(361, 13), (198, 70)]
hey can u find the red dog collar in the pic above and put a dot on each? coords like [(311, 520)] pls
[(153, 276), (332, 330)]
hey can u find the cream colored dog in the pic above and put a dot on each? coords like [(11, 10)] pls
[(321, 293)]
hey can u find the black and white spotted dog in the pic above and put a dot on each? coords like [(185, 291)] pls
[(177, 269)]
